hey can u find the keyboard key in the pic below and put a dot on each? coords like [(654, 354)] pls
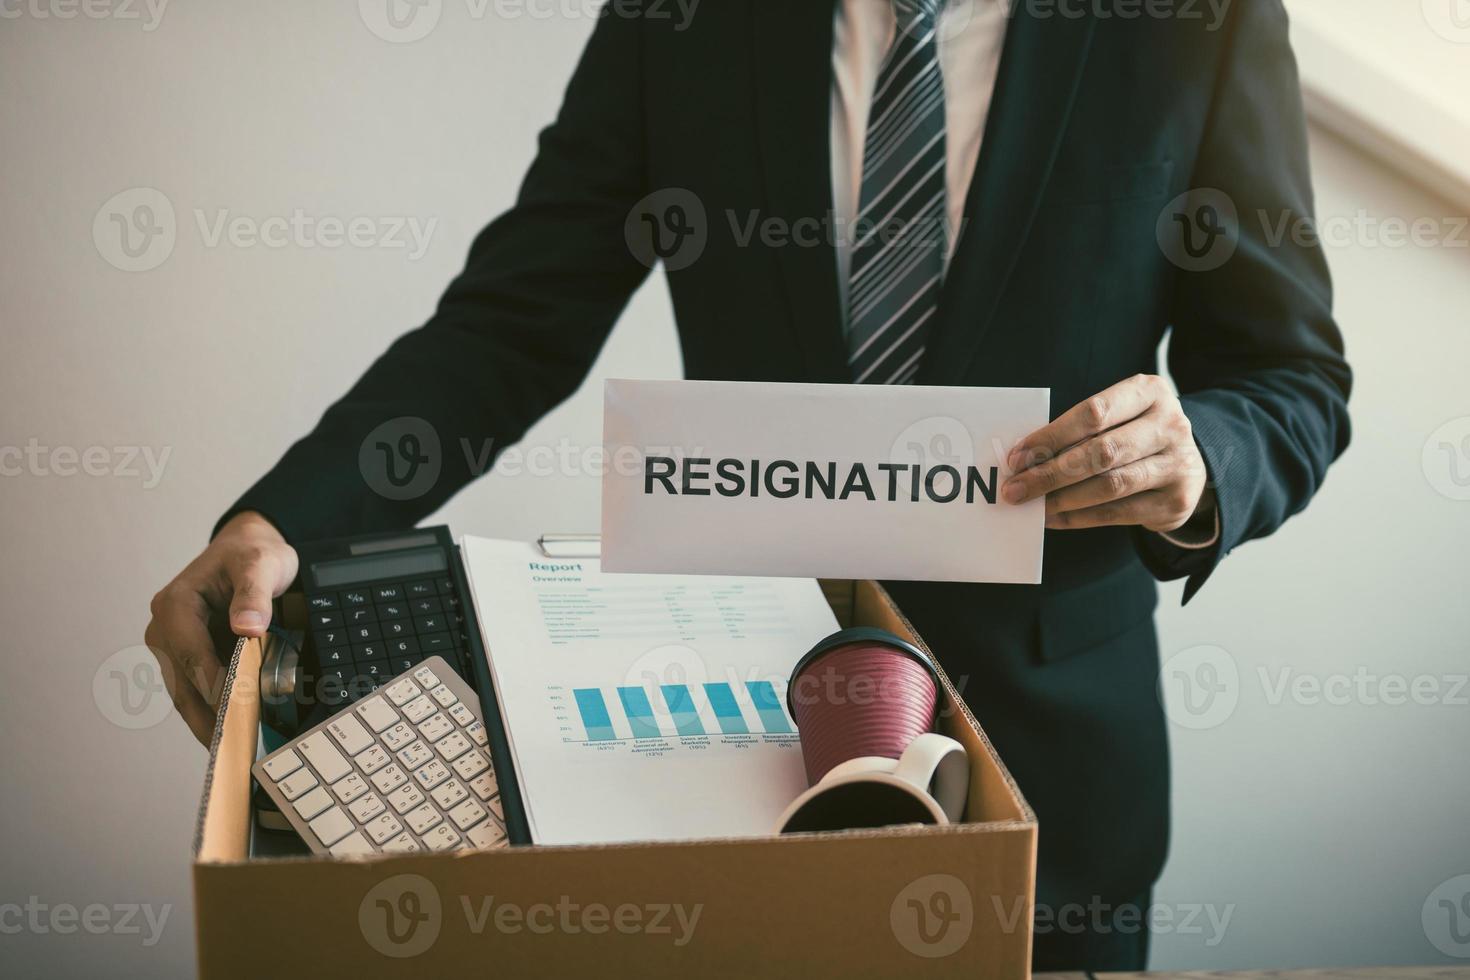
[(377, 714), (419, 708), (452, 746), (441, 838), (426, 677), (402, 844), (389, 778), (331, 826), (282, 765), (350, 734), (372, 760), (422, 819), (435, 728), (405, 799), (387, 593), (323, 620), (463, 717), (496, 808), (431, 775), (487, 834), (392, 610), (450, 794), (398, 736), (471, 764), (364, 808), (476, 731), (320, 601), (485, 785), (402, 691), (467, 814), (416, 590), (351, 845), (383, 828), (313, 803), (444, 695), (297, 783), (414, 755), (349, 787), (324, 757)]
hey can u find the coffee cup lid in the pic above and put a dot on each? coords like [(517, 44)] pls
[(849, 636)]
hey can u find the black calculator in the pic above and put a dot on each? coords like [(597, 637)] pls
[(379, 605)]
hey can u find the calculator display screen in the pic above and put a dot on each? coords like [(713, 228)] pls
[(403, 564)]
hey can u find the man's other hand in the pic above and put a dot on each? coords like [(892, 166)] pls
[(225, 592), (1124, 456)]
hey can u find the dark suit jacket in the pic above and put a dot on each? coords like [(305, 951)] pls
[(1058, 281)]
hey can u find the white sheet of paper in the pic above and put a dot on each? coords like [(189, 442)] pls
[(643, 707), (712, 435)]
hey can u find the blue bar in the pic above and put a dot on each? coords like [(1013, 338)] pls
[(594, 714), (768, 706), (640, 713), (722, 699), (681, 706)]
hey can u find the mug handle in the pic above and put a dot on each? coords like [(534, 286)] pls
[(937, 764)]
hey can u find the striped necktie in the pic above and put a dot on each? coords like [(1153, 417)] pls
[(899, 236)]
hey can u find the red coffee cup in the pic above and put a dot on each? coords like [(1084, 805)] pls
[(861, 692)]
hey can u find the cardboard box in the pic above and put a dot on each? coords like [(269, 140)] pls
[(941, 901)]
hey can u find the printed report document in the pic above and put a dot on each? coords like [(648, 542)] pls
[(643, 707)]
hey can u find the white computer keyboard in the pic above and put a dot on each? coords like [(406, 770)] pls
[(405, 769)]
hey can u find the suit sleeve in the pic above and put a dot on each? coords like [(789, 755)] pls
[(1254, 350), (514, 334)]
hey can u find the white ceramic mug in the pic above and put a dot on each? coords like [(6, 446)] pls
[(928, 784)]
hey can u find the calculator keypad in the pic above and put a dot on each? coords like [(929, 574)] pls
[(367, 635)]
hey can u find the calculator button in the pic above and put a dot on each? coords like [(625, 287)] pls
[(393, 610), (396, 628), (356, 597), (313, 803), (374, 671), (446, 586), (402, 844), (449, 794), (335, 657), (356, 617), (297, 783), (331, 826), (350, 734), (321, 601), (403, 647), (363, 652), (435, 643), (323, 620), (387, 593), (426, 677), (430, 624), (365, 808), (467, 814), (282, 765), (329, 638), (444, 695), (422, 607), (416, 590), (353, 843), (405, 799), (363, 632), (401, 665), (350, 788), (332, 685), (382, 828), (452, 602), (324, 757), (389, 778)]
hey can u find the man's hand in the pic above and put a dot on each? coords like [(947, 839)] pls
[(1125, 456), (226, 591)]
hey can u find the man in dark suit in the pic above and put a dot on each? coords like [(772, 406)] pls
[(1046, 140)]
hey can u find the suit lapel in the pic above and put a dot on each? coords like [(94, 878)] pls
[(1041, 64), (793, 71)]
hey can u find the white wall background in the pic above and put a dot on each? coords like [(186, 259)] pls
[(1324, 826)]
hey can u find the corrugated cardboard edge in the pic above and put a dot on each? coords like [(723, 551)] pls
[(227, 780)]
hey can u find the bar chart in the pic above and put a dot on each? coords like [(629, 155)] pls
[(677, 711)]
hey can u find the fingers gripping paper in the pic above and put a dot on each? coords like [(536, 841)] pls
[(840, 481)]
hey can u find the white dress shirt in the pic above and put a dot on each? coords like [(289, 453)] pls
[(970, 35)]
